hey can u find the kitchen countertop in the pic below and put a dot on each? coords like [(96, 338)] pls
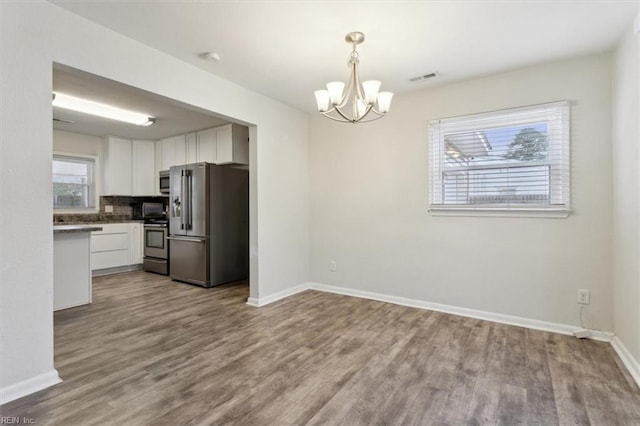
[(75, 228)]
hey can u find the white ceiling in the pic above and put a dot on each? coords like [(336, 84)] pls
[(288, 49)]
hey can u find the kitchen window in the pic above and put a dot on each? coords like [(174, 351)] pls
[(74, 183), (505, 163)]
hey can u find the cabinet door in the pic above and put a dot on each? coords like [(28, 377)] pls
[(144, 176), (181, 151), (173, 152), (207, 146), (232, 144), (224, 144), (117, 166), (135, 243), (192, 148)]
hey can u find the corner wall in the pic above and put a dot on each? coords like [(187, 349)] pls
[(626, 195), (369, 200), (33, 36)]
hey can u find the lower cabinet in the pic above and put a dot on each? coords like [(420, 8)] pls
[(117, 245)]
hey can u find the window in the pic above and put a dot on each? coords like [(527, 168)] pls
[(509, 162), (74, 182)]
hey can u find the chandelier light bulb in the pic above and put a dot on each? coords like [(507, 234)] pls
[(371, 88), (384, 101), (322, 99)]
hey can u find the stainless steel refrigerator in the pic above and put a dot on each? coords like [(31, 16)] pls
[(208, 224)]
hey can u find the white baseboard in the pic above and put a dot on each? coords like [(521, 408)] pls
[(29, 386), (262, 301), (465, 312), (627, 359)]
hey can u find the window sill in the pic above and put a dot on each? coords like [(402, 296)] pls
[(551, 213), (76, 211)]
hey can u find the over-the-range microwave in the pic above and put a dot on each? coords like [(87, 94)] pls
[(164, 182)]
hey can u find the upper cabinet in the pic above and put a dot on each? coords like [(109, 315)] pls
[(232, 144), (192, 148), (228, 144), (128, 167), (117, 166), (143, 170), (172, 152), (206, 140)]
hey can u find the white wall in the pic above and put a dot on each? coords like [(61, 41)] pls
[(626, 195), (33, 36), (369, 198)]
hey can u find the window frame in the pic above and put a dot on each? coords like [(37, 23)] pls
[(502, 118), (96, 195)]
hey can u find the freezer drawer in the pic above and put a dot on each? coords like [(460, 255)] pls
[(189, 260)]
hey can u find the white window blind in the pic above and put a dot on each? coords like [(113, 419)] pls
[(509, 160), (73, 182)]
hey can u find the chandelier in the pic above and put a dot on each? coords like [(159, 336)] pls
[(360, 102)]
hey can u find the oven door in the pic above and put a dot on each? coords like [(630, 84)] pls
[(155, 241)]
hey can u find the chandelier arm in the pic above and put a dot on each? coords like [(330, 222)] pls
[(378, 112), (344, 116), (370, 120), (336, 119), (369, 109), (348, 89)]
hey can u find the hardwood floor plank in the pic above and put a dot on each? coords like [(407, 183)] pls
[(150, 351)]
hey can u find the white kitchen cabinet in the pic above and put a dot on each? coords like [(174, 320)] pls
[(172, 152), (136, 248), (206, 142), (117, 166), (144, 170), (192, 148), (110, 247), (71, 271), (228, 144), (232, 144)]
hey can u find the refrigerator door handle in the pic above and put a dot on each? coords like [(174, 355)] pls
[(190, 189), (191, 239), (185, 200)]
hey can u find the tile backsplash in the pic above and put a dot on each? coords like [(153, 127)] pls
[(121, 210)]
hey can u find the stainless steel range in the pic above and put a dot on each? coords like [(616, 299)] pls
[(156, 248), (156, 244)]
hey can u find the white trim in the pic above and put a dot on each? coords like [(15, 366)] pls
[(627, 359), (29, 386), (465, 312), (262, 301), (449, 210)]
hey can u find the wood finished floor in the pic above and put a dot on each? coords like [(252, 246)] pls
[(150, 351)]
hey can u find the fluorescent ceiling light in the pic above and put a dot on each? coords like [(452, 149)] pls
[(72, 103)]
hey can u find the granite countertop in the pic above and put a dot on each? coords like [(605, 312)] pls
[(75, 228)]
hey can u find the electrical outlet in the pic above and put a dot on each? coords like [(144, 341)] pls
[(583, 297), (108, 209), (333, 266)]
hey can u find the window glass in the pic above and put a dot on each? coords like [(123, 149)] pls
[(73, 182), (513, 159)]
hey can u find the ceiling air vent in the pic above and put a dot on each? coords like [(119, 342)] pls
[(424, 77)]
